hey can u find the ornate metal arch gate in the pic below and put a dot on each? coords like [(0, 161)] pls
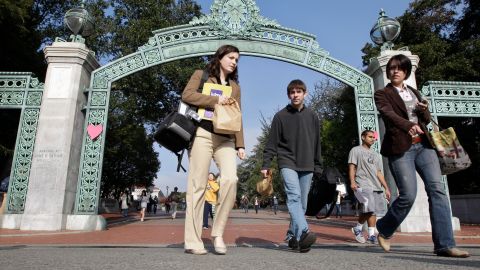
[(235, 22), (20, 90), (454, 99)]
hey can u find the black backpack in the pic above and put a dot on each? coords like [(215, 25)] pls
[(323, 191), (176, 131)]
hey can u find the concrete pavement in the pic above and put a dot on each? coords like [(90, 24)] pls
[(254, 241), (242, 229)]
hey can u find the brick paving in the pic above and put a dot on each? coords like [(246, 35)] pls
[(250, 229)]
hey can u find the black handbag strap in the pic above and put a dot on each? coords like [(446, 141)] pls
[(179, 159)]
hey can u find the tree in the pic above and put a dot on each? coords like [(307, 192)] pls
[(334, 103)]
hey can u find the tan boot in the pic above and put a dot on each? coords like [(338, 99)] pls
[(384, 243), (453, 252)]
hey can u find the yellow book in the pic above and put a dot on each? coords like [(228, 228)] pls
[(212, 89)]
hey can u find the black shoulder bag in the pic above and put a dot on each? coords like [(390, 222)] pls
[(177, 130)]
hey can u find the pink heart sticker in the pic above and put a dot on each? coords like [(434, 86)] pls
[(94, 131)]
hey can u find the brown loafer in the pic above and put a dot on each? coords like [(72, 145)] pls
[(453, 252), (196, 251), (384, 243)]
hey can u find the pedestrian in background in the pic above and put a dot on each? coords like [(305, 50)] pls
[(256, 204), (405, 114), (210, 199), (124, 203), (368, 185), (174, 198), (244, 202), (275, 204), (155, 204), (143, 205)]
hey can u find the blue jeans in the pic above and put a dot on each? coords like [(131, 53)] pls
[(403, 167), (297, 186)]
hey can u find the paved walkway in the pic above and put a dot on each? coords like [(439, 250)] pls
[(262, 229)]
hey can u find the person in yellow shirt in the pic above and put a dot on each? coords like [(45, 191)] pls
[(210, 199)]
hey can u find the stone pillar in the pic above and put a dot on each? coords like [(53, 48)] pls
[(56, 157), (418, 220)]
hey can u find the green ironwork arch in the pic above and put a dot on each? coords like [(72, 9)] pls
[(235, 22), (21, 90), (454, 99)]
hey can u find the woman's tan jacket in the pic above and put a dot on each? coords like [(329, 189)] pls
[(191, 96)]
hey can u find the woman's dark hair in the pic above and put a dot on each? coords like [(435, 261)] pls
[(213, 67), (401, 62), (144, 193)]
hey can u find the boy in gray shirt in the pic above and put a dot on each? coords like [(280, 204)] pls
[(366, 180)]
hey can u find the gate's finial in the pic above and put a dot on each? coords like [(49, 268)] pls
[(80, 22), (385, 31)]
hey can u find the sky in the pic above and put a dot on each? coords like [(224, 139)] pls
[(341, 27)]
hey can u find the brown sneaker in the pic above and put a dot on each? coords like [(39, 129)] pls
[(384, 243), (453, 252)]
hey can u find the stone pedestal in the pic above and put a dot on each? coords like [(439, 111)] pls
[(56, 157), (418, 220)]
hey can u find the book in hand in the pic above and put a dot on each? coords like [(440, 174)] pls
[(212, 89)]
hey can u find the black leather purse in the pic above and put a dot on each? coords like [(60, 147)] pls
[(177, 130)]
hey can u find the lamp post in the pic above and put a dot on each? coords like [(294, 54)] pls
[(385, 31), (80, 22), (167, 191)]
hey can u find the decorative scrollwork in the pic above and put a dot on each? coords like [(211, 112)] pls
[(22, 161), (234, 19), (453, 98), (99, 98), (90, 169), (116, 69), (34, 98), (365, 104), (348, 74), (17, 92), (453, 107), (9, 97)]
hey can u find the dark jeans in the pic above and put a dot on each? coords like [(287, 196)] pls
[(207, 211), (338, 209), (404, 167)]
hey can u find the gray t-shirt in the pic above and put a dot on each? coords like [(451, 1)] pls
[(368, 163)]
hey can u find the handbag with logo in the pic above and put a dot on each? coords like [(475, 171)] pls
[(451, 154), (227, 118), (265, 186)]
